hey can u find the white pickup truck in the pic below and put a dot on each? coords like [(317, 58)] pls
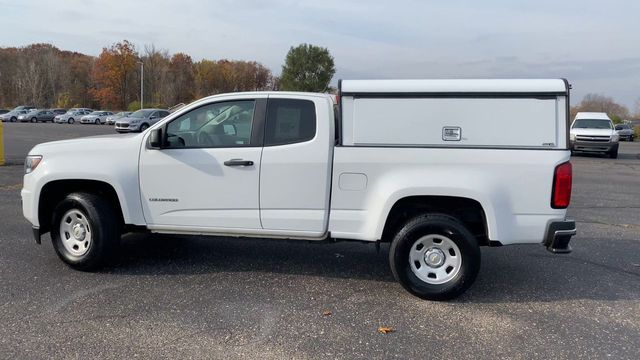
[(436, 168)]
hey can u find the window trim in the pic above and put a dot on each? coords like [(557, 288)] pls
[(257, 125), (315, 130)]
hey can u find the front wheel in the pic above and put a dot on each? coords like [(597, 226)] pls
[(14, 119), (613, 154), (143, 127), (435, 257), (84, 231), (71, 121)]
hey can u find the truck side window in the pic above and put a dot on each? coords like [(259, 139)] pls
[(290, 121), (224, 124)]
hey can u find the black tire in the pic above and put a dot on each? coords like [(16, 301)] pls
[(613, 154), (34, 119), (434, 224), (71, 121), (14, 119), (103, 225), (144, 127), (97, 121)]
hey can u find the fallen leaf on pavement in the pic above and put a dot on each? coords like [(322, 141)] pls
[(326, 313), (385, 330)]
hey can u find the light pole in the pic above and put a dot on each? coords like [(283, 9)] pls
[(141, 84)]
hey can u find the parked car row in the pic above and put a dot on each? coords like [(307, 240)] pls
[(124, 121)]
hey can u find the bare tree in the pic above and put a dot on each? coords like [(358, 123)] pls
[(601, 103)]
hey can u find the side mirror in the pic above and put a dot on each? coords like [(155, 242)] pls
[(155, 139), (153, 117)]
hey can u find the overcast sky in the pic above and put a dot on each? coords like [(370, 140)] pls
[(592, 43)]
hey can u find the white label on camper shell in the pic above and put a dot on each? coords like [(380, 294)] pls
[(451, 133)]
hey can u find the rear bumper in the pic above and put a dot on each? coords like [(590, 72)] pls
[(559, 235), (594, 146)]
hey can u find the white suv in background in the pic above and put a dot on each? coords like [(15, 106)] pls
[(594, 132)]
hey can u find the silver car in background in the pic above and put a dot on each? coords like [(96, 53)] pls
[(113, 118), (140, 120), (96, 117), (12, 116), (72, 115), (37, 116), (625, 132)]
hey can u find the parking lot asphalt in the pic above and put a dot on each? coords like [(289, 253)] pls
[(19, 138), (197, 297)]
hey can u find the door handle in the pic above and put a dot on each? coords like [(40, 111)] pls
[(238, 162)]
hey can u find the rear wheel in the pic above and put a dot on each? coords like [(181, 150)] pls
[(71, 121), (14, 119), (85, 231), (33, 119), (435, 257), (97, 121)]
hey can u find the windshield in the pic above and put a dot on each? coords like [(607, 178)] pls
[(592, 124), (141, 113), (96, 113), (622, 127)]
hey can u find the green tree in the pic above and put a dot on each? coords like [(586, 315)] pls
[(307, 68)]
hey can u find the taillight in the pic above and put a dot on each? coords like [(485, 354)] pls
[(561, 193)]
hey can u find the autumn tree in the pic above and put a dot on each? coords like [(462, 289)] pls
[(45, 76), (214, 77), (307, 68), (179, 87), (114, 75)]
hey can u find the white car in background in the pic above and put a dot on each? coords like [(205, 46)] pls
[(111, 119), (71, 115), (96, 117)]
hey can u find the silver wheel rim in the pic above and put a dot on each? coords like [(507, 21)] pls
[(435, 259), (75, 232)]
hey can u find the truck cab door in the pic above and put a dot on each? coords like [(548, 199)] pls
[(295, 175), (205, 176)]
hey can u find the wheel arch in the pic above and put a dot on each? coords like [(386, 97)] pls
[(55, 191), (468, 210)]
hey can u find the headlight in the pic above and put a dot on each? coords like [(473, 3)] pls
[(31, 163), (572, 137), (134, 121), (615, 138)]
